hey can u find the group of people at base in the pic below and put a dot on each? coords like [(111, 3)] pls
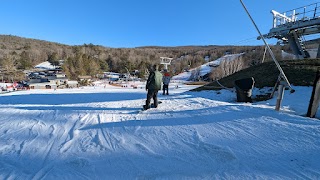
[(154, 83)]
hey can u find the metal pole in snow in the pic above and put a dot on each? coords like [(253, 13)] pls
[(269, 49)]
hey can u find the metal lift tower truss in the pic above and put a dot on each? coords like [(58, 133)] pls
[(291, 26), (165, 61)]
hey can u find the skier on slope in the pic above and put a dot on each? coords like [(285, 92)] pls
[(153, 86), (166, 80)]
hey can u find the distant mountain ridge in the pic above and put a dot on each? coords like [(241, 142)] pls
[(18, 53)]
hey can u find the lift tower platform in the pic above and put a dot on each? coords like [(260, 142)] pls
[(291, 26)]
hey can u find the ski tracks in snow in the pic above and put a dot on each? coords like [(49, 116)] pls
[(185, 136)]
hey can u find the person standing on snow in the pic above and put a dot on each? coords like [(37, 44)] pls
[(153, 86), (166, 80)]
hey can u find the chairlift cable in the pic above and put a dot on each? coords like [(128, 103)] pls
[(230, 89), (245, 40)]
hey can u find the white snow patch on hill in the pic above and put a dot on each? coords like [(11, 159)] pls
[(206, 68), (45, 66)]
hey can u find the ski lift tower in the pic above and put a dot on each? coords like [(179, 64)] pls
[(165, 61), (291, 26)]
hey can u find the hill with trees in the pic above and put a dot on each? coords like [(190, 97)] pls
[(18, 54)]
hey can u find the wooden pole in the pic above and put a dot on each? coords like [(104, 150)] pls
[(264, 54), (280, 95), (315, 97)]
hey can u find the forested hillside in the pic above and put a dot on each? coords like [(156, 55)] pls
[(18, 54)]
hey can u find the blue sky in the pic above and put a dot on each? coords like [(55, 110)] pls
[(134, 23)]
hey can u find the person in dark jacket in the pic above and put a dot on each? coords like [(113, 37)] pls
[(153, 86)]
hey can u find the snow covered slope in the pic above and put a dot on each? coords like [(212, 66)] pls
[(99, 133), (206, 68)]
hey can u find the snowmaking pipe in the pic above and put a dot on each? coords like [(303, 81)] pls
[(269, 50)]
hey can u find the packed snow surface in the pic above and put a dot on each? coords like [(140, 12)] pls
[(100, 133)]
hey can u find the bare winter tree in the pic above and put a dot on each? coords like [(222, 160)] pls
[(195, 74), (228, 67), (8, 64)]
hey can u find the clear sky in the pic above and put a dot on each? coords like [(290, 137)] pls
[(134, 23)]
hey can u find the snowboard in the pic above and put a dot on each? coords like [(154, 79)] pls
[(151, 106)]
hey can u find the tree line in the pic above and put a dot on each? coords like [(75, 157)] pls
[(18, 54)]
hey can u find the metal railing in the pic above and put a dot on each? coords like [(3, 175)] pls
[(304, 13)]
